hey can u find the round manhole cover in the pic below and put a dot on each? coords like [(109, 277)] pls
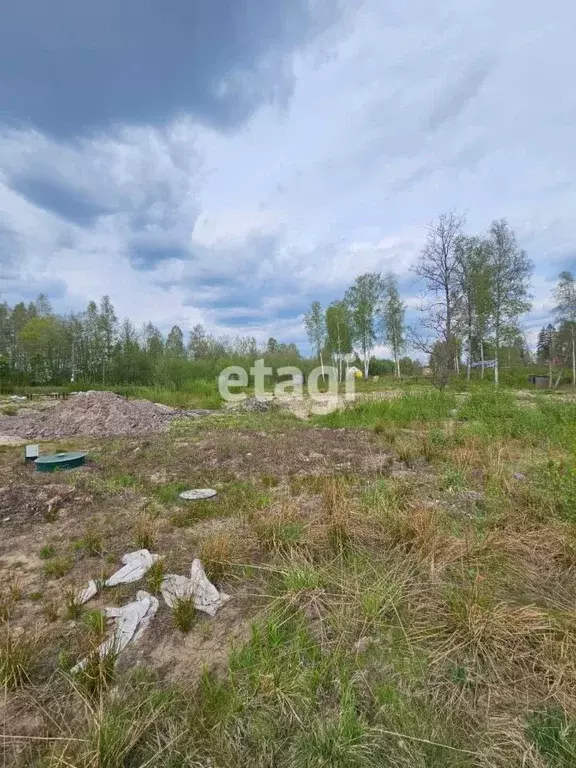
[(198, 493), (52, 462)]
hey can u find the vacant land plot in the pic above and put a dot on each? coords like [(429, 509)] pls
[(403, 582)]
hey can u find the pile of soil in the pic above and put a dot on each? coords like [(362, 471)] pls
[(102, 414)]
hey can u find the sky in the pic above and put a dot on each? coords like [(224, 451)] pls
[(226, 162)]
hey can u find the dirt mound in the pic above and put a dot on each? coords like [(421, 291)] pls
[(102, 414)]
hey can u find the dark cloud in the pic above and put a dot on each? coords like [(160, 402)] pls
[(60, 199), (458, 95), (66, 66), (254, 320), (17, 289), (146, 257)]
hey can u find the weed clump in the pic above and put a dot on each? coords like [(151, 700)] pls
[(19, 656), (184, 614)]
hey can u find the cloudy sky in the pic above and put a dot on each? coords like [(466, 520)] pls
[(228, 161)]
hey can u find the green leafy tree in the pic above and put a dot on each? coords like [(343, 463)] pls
[(4, 370), (474, 288), (153, 342), (392, 315), (565, 310), (339, 332), (175, 343), (363, 299), (315, 324), (42, 339), (510, 270)]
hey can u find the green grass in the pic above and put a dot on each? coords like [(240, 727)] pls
[(234, 499), (19, 656), (184, 614), (379, 619), (554, 736), (409, 408), (47, 552), (58, 567), (499, 414)]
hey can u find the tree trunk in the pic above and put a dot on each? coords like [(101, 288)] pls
[(366, 364), (550, 371), (497, 357), (557, 382), (573, 360), (339, 354), (321, 364), (482, 358)]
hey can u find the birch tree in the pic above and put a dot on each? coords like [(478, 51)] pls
[(315, 323), (339, 332), (474, 288), (510, 270), (393, 314), (438, 268), (565, 295), (363, 299)]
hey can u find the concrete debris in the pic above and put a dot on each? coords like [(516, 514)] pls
[(130, 622), (197, 494), (255, 405), (102, 414), (205, 595)]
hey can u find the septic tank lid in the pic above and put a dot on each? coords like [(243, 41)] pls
[(62, 460), (198, 493)]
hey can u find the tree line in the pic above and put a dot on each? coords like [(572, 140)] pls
[(475, 291), (476, 288), (93, 347)]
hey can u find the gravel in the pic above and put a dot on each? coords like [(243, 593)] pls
[(102, 414)]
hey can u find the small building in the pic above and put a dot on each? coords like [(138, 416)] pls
[(542, 382)]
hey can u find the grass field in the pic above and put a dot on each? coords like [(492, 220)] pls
[(403, 581)]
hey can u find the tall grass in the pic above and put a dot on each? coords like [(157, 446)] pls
[(409, 408), (499, 414)]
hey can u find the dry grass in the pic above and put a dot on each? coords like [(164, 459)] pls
[(216, 553), (398, 624)]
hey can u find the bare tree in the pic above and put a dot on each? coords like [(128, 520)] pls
[(510, 279), (438, 267)]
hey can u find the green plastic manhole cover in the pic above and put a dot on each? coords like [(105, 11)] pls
[(53, 462)]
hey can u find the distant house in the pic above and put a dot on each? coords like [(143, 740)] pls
[(539, 381)]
